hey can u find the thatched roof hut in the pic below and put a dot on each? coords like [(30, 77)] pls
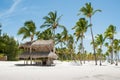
[(38, 49)]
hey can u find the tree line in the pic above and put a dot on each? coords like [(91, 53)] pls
[(65, 43)]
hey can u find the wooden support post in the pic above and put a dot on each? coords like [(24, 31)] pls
[(30, 55)]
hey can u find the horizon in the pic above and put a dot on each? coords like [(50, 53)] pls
[(13, 14)]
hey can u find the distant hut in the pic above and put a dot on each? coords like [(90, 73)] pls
[(41, 51)]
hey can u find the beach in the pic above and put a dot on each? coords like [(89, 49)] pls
[(61, 71)]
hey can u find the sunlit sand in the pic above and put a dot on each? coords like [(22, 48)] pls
[(61, 71)]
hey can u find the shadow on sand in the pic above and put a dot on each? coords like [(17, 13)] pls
[(34, 65)]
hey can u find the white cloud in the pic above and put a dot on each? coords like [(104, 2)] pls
[(11, 9)]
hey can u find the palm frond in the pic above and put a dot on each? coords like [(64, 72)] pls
[(58, 19), (61, 26), (22, 30), (45, 25), (98, 10)]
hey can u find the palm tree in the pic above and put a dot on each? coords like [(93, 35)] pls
[(80, 28), (52, 22), (28, 30), (88, 11), (109, 33), (100, 41)]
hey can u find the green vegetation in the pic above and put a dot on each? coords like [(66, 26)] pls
[(9, 47)]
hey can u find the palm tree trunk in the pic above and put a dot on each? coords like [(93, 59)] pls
[(32, 36), (54, 40), (71, 56), (62, 52), (100, 59), (83, 57), (101, 56), (80, 58), (93, 42), (30, 55), (116, 59), (112, 52)]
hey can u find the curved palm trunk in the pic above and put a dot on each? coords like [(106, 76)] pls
[(32, 36), (93, 42)]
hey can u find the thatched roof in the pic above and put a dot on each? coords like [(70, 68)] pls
[(26, 45), (39, 45), (43, 45)]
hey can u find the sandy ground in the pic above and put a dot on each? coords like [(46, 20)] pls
[(61, 71)]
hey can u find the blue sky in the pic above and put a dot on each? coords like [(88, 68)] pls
[(13, 14)]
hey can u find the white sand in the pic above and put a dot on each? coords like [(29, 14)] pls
[(61, 71)]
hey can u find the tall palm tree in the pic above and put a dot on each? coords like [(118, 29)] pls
[(88, 11), (80, 28), (100, 41), (109, 33), (52, 22), (28, 30)]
